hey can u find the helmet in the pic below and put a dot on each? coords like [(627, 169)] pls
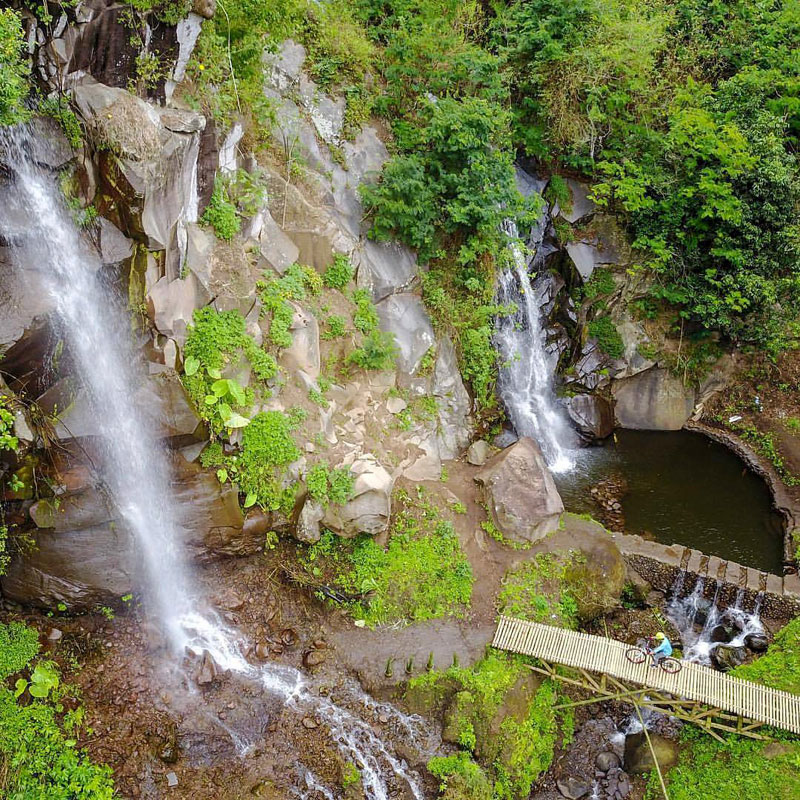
[(660, 636)]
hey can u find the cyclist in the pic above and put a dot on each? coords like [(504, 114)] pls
[(662, 651)]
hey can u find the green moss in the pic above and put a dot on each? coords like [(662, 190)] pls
[(339, 273), (420, 574), (504, 714), (326, 485), (539, 591), (608, 338)]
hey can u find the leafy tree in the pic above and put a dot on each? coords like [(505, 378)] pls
[(13, 69)]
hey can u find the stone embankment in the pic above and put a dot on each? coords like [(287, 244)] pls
[(661, 565)]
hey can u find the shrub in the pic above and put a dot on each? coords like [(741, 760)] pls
[(365, 317), (18, 645), (336, 327), (608, 337), (13, 69), (339, 273), (377, 352), (330, 486), (221, 213)]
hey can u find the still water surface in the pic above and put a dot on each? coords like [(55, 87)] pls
[(685, 489)]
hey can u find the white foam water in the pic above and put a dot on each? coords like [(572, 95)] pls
[(136, 470), (525, 380)]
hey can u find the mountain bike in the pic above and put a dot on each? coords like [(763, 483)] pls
[(638, 655)]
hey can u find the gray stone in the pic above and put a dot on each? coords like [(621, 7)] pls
[(74, 511), (171, 304), (453, 403), (205, 8), (276, 248), (639, 759), (405, 317), (48, 145), (478, 453), (584, 256), (307, 528), (607, 760), (591, 369), (592, 415), (757, 642), (163, 400), (370, 507), (573, 788), (522, 497), (394, 405), (304, 354), (384, 267), (726, 657), (581, 206), (114, 245), (652, 400)]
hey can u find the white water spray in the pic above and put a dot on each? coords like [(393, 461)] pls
[(525, 379), (136, 470)]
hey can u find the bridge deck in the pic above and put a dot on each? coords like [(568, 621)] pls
[(693, 682)]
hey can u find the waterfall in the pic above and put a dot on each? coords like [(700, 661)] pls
[(135, 468), (525, 381), (695, 619)]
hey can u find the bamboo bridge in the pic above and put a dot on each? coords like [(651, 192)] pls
[(710, 699)]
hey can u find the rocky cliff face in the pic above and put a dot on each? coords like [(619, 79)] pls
[(146, 168)]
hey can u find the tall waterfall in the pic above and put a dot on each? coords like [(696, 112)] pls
[(136, 471), (526, 371)]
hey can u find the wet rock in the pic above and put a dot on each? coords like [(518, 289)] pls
[(573, 788), (114, 245), (721, 633), (607, 760), (163, 400), (653, 400), (73, 511), (520, 492), (639, 759), (208, 670), (478, 453), (505, 439), (592, 415), (726, 657), (262, 650), (314, 658), (405, 317), (369, 508), (757, 642)]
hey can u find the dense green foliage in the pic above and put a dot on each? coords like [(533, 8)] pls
[(339, 273), (38, 756), (735, 769), (779, 667), (504, 720), (13, 69), (539, 590), (420, 574), (326, 485)]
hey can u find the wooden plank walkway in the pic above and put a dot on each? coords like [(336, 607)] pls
[(693, 682)]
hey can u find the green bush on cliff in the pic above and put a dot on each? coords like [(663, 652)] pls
[(13, 69), (420, 574), (608, 338), (220, 213), (503, 717)]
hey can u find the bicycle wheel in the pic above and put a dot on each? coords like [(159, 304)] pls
[(636, 655), (671, 665)]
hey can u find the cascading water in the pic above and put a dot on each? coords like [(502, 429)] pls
[(136, 472), (697, 619), (526, 373)]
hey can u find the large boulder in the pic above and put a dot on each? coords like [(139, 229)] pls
[(370, 506), (639, 757), (522, 498), (149, 161), (592, 415), (594, 571), (653, 400), (384, 267), (405, 317), (79, 568), (454, 428)]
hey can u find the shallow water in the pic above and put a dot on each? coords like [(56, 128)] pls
[(684, 489)]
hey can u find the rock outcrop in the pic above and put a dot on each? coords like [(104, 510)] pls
[(522, 499), (592, 415), (653, 400)]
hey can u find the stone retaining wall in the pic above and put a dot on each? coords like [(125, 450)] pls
[(662, 565)]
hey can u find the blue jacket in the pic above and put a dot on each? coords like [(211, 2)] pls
[(665, 648)]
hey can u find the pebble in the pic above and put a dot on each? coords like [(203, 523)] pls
[(54, 635), (172, 780), (309, 723), (383, 718)]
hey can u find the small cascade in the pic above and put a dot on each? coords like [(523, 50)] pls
[(525, 381), (700, 621), (135, 468)]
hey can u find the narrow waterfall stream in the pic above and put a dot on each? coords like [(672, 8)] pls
[(135, 469), (525, 381)]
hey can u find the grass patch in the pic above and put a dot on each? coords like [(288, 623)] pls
[(420, 574), (779, 667)]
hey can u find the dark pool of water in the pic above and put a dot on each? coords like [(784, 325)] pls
[(684, 489)]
